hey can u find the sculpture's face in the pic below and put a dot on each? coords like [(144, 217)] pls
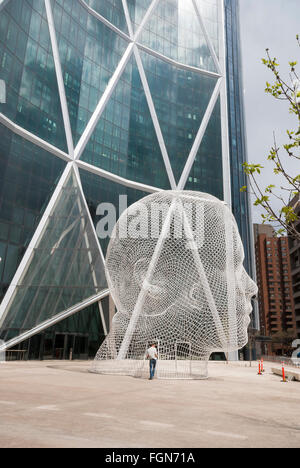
[(191, 284)]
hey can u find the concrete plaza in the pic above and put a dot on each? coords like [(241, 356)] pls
[(60, 404)]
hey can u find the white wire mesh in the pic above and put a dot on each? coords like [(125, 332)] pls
[(175, 271)]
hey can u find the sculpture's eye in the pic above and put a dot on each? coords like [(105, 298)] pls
[(156, 287)]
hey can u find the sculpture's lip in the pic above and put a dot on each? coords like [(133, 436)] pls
[(247, 320)]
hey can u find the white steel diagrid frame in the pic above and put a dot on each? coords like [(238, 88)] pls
[(77, 175), (72, 158)]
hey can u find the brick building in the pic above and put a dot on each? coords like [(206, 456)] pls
[(276, 305), (294, 246)]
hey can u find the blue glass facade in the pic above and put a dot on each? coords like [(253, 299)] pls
[(89, 53), (153, 112), (173, 30), (180, 98), (238, 150), (125, 136), (27, 66), (27, 180)]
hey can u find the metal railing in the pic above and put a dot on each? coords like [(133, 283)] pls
[(279, 359)]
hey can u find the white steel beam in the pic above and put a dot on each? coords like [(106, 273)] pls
[(207, 38), (128, 20), (33, 138), (136, 313), (102, 318), (60, 80), (87, 243), (224, 107), (183, 66), (3, 4), (231, 281), (89, 217), (21, 271), (155, 119), (103, 102), (233, 356), (115, 178), (54, 320), (145, 19), (103, 20), (202, 275), (199, 137)]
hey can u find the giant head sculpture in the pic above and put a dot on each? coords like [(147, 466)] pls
[(175, 271)]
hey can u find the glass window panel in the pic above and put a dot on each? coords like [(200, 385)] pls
[(27, 66), (66, 266), (174, 30), (237, 126), (98, 190), (2, 256), (137, 11), (4, 230), (90, 53), (181, 98), (207, 171), (209, 10), (12, 258), (28, 178), (112, 10), (124, 141)]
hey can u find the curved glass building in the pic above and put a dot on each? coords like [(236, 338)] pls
[(102, 99)]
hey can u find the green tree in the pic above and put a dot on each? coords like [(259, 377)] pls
[(283, 218)]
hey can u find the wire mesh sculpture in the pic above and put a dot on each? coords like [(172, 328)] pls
[(175, 271)]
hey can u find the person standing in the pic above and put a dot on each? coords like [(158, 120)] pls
[(153, 356)]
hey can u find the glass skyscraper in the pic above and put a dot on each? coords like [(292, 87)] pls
[(105, 98)]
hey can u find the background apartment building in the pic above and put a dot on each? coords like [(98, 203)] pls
[(294, 246), (276, 305)]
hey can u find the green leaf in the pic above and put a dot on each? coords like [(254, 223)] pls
[(297, 178), (270, 188)]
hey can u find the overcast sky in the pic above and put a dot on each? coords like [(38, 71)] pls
[(273, 24)]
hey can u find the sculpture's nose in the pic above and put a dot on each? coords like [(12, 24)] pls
[(251, 286)]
